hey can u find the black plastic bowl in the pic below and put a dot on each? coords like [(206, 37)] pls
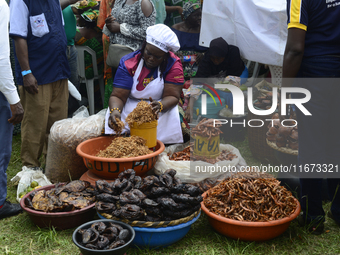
[(76, 237)]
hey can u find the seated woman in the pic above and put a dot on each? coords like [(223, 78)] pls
[(188, 33), (88, 34), (156, 72), (221, 60)]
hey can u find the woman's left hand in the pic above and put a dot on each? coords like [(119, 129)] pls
[(156, 107), (112, 24)]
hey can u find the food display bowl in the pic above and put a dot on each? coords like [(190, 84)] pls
[(76, 237), (249, 231), (154, 238), (58, 220), (109, 168)]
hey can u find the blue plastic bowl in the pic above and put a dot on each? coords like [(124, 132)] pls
[(160, 237)]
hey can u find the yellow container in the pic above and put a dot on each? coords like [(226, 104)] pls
[(146, 130), (207, 148)]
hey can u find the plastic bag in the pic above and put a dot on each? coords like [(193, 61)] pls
[(25, 177), (74, 91), (183, 167), (62, 161)]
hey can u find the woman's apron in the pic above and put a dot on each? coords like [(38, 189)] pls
[(169, 126)]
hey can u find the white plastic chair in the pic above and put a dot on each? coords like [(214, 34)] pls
[(89, 82), (251, 80), (276, 73)]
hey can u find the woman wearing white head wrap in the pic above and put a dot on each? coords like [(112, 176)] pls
[(156, 72)]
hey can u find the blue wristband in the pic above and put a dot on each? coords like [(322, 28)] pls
[(25, 72)]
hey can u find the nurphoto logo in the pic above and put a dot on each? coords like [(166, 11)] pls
[(238, 103)]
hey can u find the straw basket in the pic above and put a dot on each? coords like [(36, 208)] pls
[(151, 224)]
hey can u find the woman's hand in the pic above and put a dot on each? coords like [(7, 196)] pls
[(156, 107), (112, 24), (112, 119)]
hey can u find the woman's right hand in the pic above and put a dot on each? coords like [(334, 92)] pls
[(112, 119)]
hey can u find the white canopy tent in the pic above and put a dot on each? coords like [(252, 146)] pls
[(257, 27)]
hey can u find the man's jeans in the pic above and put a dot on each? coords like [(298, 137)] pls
[(6, 135), (319, 135)]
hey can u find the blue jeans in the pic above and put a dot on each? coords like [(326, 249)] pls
[(6, 130), (72, 55), (319, 136)]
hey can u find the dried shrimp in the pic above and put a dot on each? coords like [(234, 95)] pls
[(125, 147), (250, 199)]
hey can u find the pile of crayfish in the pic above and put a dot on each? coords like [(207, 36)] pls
[(250, 199)]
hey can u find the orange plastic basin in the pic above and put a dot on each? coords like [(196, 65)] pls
[(109, 168), (249, 231)]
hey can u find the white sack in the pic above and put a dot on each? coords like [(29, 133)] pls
[(183, 167)]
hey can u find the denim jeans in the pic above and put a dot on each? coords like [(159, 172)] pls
[(72, 55), (319, 136), (6, 130)]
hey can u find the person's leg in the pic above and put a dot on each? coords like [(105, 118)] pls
[(334, 194), (58, 107), (6, 145), (72, 56), (34, 123), (6, 208), (315, 131), (311, 199), (333, 152)]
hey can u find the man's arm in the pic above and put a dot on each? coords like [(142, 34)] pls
[(30, 83), (293, 55), (7, 86)]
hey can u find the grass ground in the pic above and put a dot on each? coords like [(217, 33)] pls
[(18, 235)]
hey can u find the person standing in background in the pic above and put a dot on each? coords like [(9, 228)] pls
[(160, 11), (88, 34), (70, 30), (11, 112), (127, 26), (188, 33), (313, 51), (42, 71), (104, 12)]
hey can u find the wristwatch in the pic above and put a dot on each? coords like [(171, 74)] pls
[(25, 72)]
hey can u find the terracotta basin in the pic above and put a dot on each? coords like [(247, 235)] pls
[(109, 168), (59, 220), (249, 231)]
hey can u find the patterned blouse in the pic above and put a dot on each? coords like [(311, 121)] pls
[(133, 23)]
